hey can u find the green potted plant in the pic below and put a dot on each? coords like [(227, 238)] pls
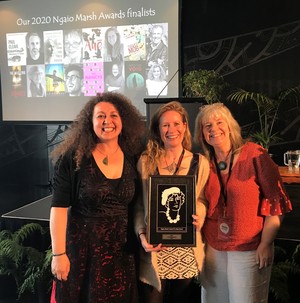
[(267, 110), (207, 84), (285, 275), (28, 265)]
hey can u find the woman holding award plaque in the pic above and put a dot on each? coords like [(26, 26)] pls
[(168, 154), (247, 202)]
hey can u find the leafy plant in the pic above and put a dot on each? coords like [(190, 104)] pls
[(284, 270), (207, 84), (267, 110), (29, 266)]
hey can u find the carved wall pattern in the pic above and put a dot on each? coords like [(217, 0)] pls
[(228, 55)]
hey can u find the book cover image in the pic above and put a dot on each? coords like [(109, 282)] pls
[(135, 83), (134, 73), (55, 84), (93, 44), (134, 37), (93, 76), (16, 49), (53, 46), (18, 81)]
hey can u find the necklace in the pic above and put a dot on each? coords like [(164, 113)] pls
[(173, 168), (105, 159), (170, 219), (223, 164)]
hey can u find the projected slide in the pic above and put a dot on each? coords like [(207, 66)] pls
[(56, 56)]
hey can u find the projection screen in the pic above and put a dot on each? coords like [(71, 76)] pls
[(56, 55)]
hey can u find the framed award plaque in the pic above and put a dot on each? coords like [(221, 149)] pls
[(172, 201)]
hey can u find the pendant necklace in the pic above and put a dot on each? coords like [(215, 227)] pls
[(105, 159), (223, 164), (173, 168)]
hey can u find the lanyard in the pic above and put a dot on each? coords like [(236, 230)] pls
[(179, 162), (222, 185)]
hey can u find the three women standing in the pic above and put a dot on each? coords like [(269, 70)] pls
[(95, 185)]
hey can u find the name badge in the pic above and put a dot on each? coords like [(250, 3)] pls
[(224, 228)]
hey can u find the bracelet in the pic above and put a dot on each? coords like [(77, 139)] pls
[(142, 233), (57, 255)]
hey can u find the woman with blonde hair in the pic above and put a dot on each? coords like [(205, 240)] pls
[(168, 153), (247, 202)]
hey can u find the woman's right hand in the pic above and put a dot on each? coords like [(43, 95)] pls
[(60, 267), (149, 247)]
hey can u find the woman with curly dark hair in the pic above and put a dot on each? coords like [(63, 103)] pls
[(95, 186)]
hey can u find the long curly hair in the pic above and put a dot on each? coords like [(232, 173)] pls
[(81, 139), (155, 146)]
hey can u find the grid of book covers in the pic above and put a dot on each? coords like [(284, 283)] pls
[(86, 61)]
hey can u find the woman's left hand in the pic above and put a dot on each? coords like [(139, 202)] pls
[(264, 255)]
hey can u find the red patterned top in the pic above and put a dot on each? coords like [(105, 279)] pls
[(254, 190)]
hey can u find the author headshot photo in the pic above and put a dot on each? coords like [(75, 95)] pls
[(74, 80), (156, 83), (113, 47), (36, 81), (115, 80), (34, 49), (157, 49), (73, 46)]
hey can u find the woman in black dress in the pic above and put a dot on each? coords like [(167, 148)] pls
[(95, 186)]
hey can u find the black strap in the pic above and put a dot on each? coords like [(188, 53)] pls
[(194, 166), (222, 185)]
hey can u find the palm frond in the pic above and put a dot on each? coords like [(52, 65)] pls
[(292, 94), (26, 230), (11, 250), (267, 110), (296, 255), (283, 269), (28, 265), (279, 284), (5, 234)]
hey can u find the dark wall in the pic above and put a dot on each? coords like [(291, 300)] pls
[(207, 20), (24, 169), (24, 174), (254, 45), (260, 41)]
